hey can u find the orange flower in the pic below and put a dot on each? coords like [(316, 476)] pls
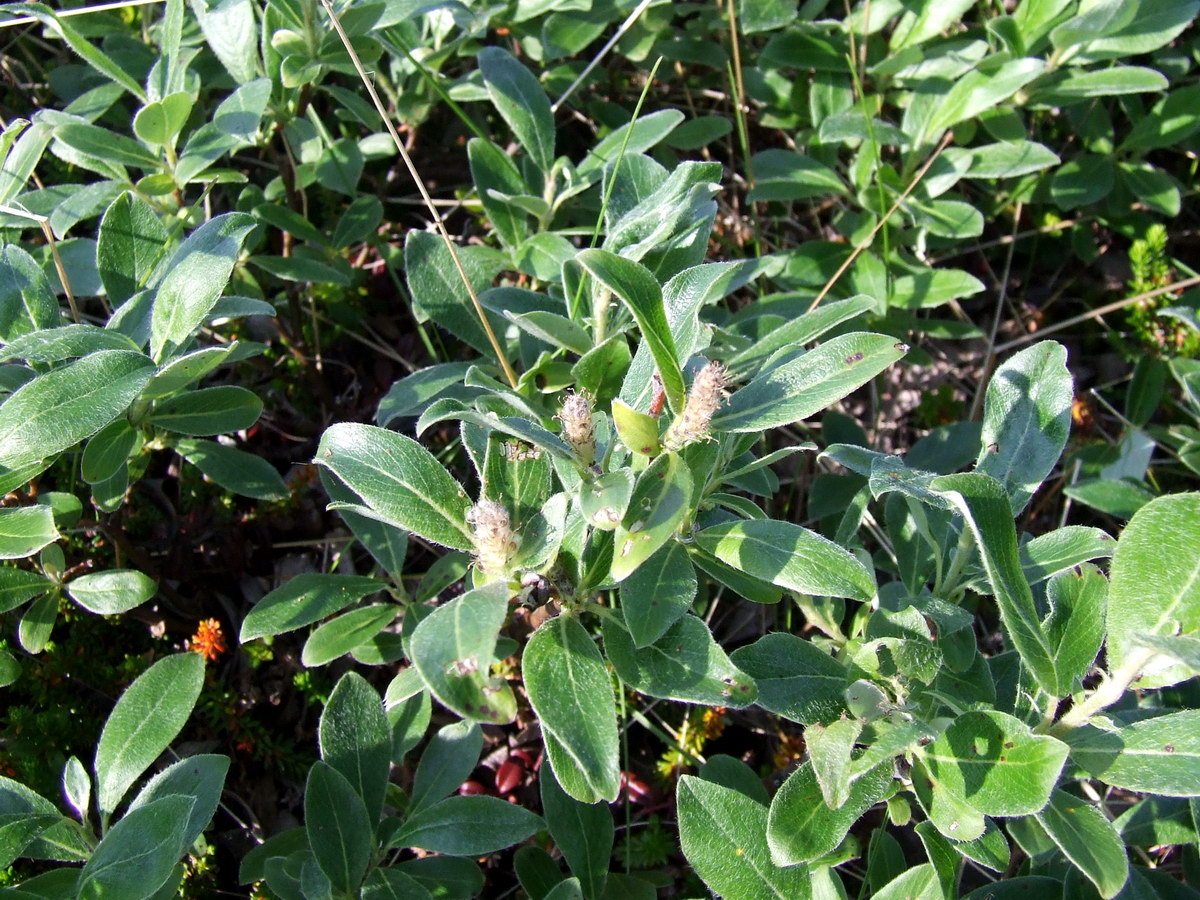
[(208, 641)]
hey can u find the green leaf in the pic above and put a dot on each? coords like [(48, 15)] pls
[(632, 137), (233, 469), (147, 717), (495, 173), (685, 664), (159, 122), (24, 531), (138, 855), (24, 156), (1088, 840), (1010, 160), (55, 411), (829, 749), (795, 678), (340, 832), (19, 830), (113, 591), (1156, 756), (1155, 586), (802, 828), (1067, 86), (1075, 625), (52, 345), (453, 648), (232, 33), (302, 600), (990, 849), (18, 585), (447, 762), (803, 386), (985, 506), (339, 636), (200, 778), (1062, 549), (467, 826), (411, 395), (917, 883), (801, 330), (790, 556), (723, 834), (786, 175), (658, 593), (183, 370), (59, 842), (387, 543), (638, 289), (438, 292), (520, 100), (108, 450), (605, 500), (1170, 121), (978, 91), (400, 480), (26, 300), (1026, 419), (1082, 181), (994, 763), (195, 277), (340, 167), (392, 884), (356, 739), (1097, 20), (1161, 193), (583, 833), (214, 410), (638, 431), (661, 499), (572, 694), (934, 287), (38, 623), (516, 426)]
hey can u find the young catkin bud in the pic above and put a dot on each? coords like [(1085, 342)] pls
[(495, 542), (704, 399), (578, 428)]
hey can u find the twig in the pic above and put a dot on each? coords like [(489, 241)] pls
[(1012, 238), (429, 204), (866, 242), (1099, 311)]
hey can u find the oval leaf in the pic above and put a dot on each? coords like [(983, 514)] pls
[(400, 480), (795, 390), (452, 649), (57, 410), (789, 556), (145, 720), (570, 690)]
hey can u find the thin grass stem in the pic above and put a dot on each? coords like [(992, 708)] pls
[(509, 374)]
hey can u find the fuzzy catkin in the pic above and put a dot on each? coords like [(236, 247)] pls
[(704, 399), (495, 542), (579, 429)]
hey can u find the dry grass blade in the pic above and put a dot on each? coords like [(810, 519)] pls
[(612, 42), (44, 224), (509, 374), (64, 13), (866, 242), (1097, 312)]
